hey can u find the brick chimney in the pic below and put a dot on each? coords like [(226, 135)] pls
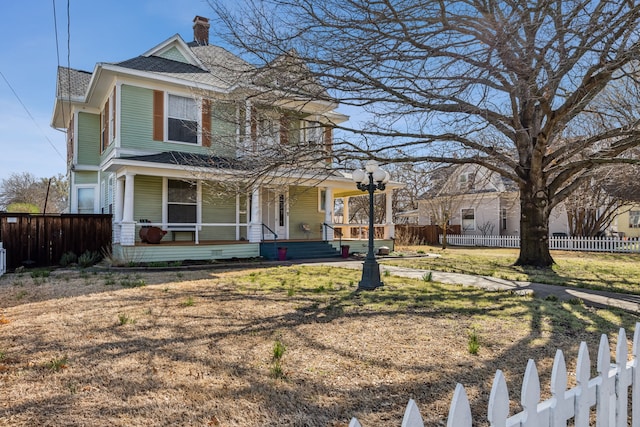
[(201, 30)]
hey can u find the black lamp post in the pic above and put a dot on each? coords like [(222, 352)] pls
[(378, 179)]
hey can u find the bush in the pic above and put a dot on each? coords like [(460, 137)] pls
[(88, 259), (67, 259)]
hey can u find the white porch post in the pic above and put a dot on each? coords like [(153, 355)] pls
[(255, 229), (389, 229), (328, 212), (128, 228), (117, 210), (346, 231)]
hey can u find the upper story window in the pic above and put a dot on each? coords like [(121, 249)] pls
[(311, 132), (466, 181), (182, 119)]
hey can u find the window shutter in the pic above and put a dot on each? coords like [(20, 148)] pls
[(328, 141), (206, 123), (284, 129), (254, 126), (113, 113), (158, 115), (105, 127)]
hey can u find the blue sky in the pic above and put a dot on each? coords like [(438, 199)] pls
[(106, 31)]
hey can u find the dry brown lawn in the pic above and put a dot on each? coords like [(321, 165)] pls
[(195, 348)]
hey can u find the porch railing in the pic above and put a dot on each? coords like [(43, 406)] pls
[(362, 230), (195, 227), (325, 230), (275, 236)]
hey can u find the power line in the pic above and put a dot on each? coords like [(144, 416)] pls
[(30, 115)]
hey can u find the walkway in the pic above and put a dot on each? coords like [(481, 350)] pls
[(590, 297)]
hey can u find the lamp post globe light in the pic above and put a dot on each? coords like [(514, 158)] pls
[(371, 179)]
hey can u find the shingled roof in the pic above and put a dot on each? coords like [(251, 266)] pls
[(72, 83), (189, 159)]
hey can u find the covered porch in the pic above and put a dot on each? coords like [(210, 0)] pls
[(207, 216)]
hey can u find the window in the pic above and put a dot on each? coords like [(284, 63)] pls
[(281, 210), (182, 119), (311, 133), (634, 219), (503, 218), (465, 181), (86, 200), (182, 201), (322, 200), (468, 219)]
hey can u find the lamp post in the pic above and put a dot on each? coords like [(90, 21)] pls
[(378, 179)]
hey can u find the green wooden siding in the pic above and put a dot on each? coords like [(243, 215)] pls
[(88, 139), (303, 209), (223, 130), (148, 198), (218, 206), (136, 118), (136, 126), (85, 177), (174, 55), (165, 252)]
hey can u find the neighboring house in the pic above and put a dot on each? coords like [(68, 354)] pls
[(480, 201), (627, 223), (171, 139)]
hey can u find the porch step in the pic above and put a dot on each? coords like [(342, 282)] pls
[(299, 250)]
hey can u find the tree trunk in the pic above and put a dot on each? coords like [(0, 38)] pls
[(444, 235), (534, 229)]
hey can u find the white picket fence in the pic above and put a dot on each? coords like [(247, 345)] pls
[(3, 260), (588, 244), (608, 392)]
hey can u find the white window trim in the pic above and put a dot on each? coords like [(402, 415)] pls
[(322, 207), (198, 101), (74, 200), (462, 219), (165, 201)]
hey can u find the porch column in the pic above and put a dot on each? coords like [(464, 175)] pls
[(328, 212), (346, 231), (117, 210), (128, 229), (389, 229), (255, 229)]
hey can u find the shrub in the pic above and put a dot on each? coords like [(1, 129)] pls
[(88, 259), (67, 259)]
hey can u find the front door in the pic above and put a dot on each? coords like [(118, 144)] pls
[(275, 213)]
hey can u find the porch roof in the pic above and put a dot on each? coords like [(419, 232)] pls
[(189, 159)]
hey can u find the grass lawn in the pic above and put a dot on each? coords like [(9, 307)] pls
[(287, 346), (602, 271)]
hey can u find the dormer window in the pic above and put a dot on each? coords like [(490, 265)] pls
[(182, 119)]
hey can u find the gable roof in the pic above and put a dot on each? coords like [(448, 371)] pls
[(444, 182), (72, 83)]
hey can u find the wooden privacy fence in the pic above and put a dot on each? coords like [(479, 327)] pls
[(587, 244), (608, 393), (421, 234), (40, 240)]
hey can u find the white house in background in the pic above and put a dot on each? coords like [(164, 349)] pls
[(480, 201)]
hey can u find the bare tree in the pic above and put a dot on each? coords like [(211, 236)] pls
[(512, 86), (25, 188)]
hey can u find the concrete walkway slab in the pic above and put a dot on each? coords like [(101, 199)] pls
[(591, 298)]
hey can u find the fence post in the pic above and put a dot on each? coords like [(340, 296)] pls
[(3, 260)]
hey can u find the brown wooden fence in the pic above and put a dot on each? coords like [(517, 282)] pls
[(421, 234), (40, 240)]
